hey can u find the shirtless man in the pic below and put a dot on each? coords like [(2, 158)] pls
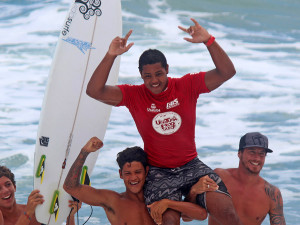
[(253, 197), (127, 207), (12, 213)]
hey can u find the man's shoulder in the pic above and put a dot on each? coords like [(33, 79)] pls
[(225, 172), (191, 76), (270, 189), (130, 85)]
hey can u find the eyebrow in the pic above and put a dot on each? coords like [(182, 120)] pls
[(138, 170)]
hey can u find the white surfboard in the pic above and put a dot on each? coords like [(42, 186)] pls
[(69, 118)]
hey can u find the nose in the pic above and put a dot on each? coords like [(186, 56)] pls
[(154, 79), (257, 155), (4, 190), (133, 177)]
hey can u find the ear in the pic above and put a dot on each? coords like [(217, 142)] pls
[(167, 68), (147, 170), (239, 154), (140, 70), (120, 173)]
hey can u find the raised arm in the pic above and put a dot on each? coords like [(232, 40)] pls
[(85, 193), (224, 67), (97, 87), (276, 205)]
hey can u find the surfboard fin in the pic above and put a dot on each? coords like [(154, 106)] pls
[(85, 179), (41, 168), (54, 208)]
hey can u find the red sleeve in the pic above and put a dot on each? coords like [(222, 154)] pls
[(194, 83), (122, 87), (198, 79), (129, 94)]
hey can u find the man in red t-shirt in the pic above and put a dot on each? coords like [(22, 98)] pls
[(164, 110)]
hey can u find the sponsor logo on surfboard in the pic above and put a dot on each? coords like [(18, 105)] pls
[(68, 22), (83, 46), (44, 141), (166, 123), (89, 8), (66, 27)]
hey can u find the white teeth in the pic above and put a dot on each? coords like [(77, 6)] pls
[(7, 197), (155, 85), (133, 183), (255, 164)]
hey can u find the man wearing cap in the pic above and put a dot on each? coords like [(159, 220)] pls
[(253, 197)]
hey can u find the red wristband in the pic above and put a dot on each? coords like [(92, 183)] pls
[(210, 41), (27, 216)]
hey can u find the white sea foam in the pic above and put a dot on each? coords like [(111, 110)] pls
[(263, 96)]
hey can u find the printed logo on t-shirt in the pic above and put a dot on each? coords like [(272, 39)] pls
[(172, 104), (166, 123), (153, 108)]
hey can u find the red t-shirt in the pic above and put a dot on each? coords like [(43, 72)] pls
[(166, 121)]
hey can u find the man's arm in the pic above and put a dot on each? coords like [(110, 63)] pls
[(191, 210), (204, 184), (97, 87), (224, 67), (85, 193), (276, 209), (34, 199), (187, 209)]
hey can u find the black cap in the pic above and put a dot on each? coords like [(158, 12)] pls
[(254, 139)]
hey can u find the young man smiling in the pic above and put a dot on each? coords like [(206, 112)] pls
[(127, 207), (12, 213), (253, 197), (164, 110)]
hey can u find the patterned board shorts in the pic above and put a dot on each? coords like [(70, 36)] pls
[(175, 183)]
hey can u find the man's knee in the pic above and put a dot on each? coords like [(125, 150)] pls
[(220, 207), (171, 217)]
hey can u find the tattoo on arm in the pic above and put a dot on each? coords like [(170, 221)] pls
[(72, 179), (276, 210)]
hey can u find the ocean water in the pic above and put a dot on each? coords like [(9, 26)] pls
[(261, 37)]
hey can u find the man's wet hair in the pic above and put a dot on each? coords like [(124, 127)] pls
[(5, 172), (152, 56), (132, 154)]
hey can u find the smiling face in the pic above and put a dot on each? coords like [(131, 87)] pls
[(252, 159), (134, 176), (155, 77), (7, 193)]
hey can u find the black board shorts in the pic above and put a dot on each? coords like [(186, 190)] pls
[(173, 184)]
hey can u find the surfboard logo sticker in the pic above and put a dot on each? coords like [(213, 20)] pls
[(44, 141), (83, 46), (89, 8), (55, 205)]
